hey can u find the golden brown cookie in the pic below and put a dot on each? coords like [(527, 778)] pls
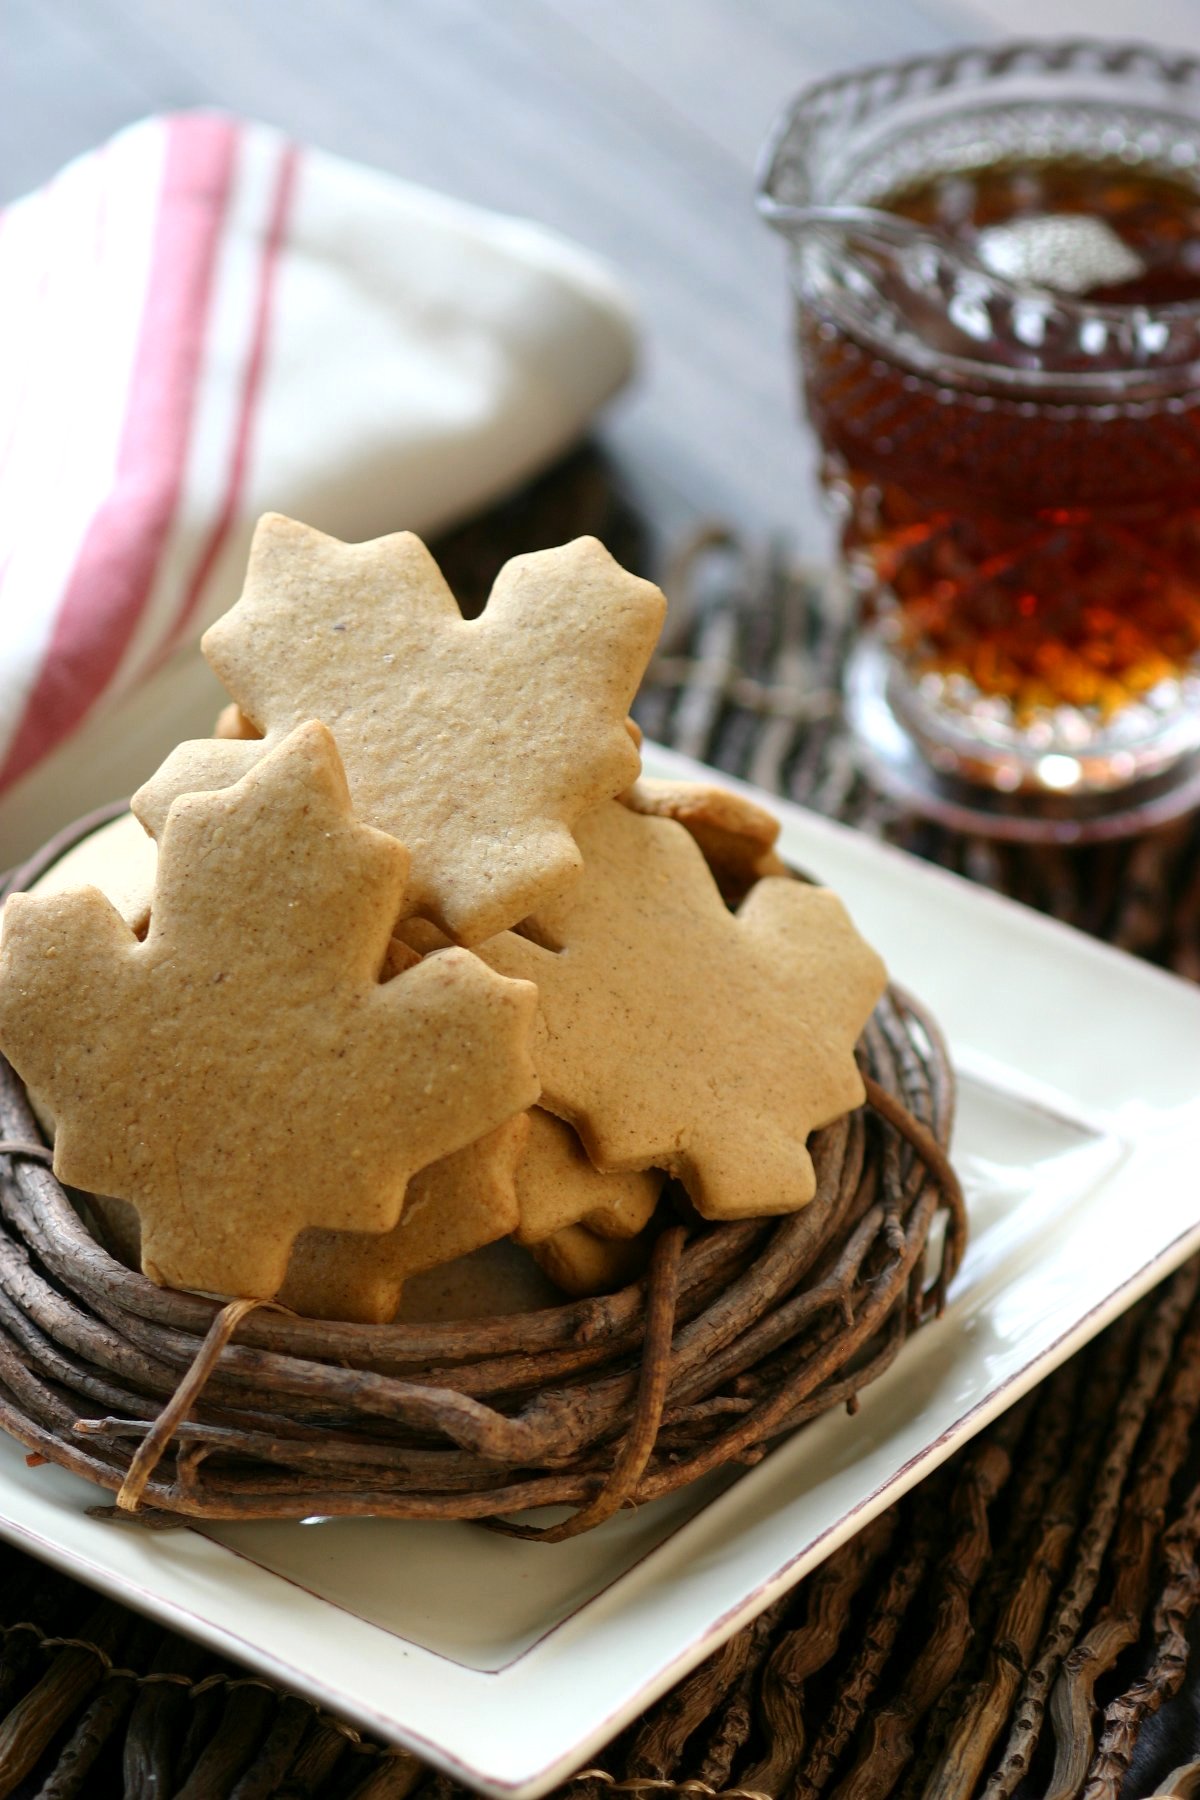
[(736, 836), (451, 1208), (119, 859), (501, 1278), (582, 1263), (400, 957), (476, 743), (680, 1036), (232, 723), (243, 1073), (557, 1186), (419, 937)]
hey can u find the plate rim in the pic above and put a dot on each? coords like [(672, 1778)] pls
[(551, 1761)]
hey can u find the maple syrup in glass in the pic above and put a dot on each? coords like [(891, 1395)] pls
[(1005, 383)]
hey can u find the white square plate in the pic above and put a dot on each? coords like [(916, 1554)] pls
[(509, 1663)]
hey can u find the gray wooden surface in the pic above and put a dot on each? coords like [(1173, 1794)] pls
[(631, 124)]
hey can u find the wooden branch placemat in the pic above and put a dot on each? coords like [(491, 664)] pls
[(1024, 1623)]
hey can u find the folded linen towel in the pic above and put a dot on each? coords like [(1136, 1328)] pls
[(201, 321)]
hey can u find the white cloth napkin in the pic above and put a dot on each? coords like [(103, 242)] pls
[(201, 321)]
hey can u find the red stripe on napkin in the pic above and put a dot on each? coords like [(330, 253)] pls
[(273, 241), (114, 572)]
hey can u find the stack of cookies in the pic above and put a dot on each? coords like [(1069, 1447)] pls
[(422, 963)]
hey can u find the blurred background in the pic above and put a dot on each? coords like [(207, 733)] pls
[(630, 125)]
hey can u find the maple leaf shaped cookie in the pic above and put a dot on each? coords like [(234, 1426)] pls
[(558, 1187), (581, 1262), (680, 1036), (736, 836), (453, 1207), (242, 1073), (478, 743)]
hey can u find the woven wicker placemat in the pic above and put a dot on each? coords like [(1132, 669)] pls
[(1020, 1624)]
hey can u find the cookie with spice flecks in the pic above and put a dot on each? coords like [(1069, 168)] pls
[(478, 743), (453, 1207), (242, 1072), (736, 835), (582, 1263), (680, 1036), (557, 1186)]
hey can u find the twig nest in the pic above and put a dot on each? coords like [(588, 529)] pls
[(739, 1332)]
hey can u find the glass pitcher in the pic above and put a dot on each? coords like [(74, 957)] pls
[(995, 256)]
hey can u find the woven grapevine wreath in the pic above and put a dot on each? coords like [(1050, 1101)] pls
[(738, 1334)]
